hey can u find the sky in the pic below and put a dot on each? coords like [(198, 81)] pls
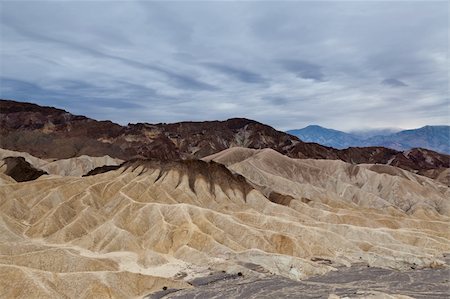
[(343, 65)]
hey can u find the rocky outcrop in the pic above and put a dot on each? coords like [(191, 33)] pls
[(20, 170), (76, 166)]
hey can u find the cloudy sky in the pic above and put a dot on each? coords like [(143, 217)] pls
[(345, 65)]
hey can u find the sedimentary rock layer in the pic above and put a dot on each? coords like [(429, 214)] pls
[(151, 224)]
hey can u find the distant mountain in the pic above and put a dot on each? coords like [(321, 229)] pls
[(436, 138), (328, 137), (368, 133)]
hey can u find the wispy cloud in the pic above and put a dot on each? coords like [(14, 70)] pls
[(304, 69), (240, 74), (393, 82)]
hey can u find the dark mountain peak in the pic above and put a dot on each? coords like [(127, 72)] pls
[(10, 106), (315, 127)]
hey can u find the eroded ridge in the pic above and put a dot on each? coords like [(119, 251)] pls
[(149, 225)]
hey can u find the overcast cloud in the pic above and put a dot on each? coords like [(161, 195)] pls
[(344, 65)]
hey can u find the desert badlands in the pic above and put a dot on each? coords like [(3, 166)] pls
[(240, 223), (155, 149), (216, 209)]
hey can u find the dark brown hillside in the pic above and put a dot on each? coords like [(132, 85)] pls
[(48, 132)]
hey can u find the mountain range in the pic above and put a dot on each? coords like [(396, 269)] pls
[(51, 133), (436, 138), (229, 209)]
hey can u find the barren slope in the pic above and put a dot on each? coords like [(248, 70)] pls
[(336, 182), (149, 224)]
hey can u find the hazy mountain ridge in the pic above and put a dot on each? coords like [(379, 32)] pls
[(328, 137), (436, 138)]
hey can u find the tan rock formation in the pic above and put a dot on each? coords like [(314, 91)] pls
[(77, 166), (149, 224)]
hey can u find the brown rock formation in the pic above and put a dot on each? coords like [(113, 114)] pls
[(20, 170)]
